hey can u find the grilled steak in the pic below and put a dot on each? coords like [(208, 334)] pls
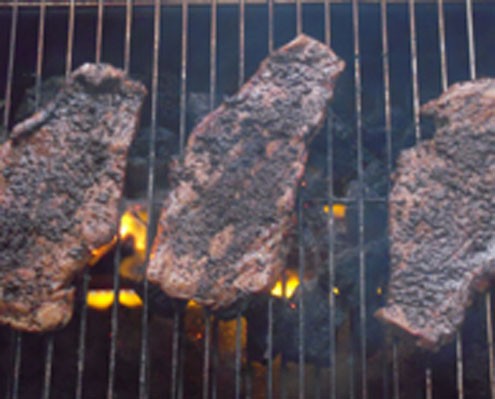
[(61, 178), (222, 229), (441, 220)]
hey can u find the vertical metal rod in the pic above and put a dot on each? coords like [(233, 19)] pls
[(206, 356), (300, 305), (389, 151), (10, 68), (359, 130), (269, 374), (395, 370), (99, 32), (128, 31), (242, 40), (414, 67), (429, 383), (81, 348), (328, 35), (175, 354), (40, 53), (70, 37), (299, 21), (238, 330), (182, 356), (470, 31), (331, 264), (144, 361), (48, 367), (183, 76), (214, 360), (270, 25), (459, 366), (489, 341), (331, 229), (39, 70), (238, 355), (114, 321), (386, 85), (17, 364), (213, 53), (441, 41)]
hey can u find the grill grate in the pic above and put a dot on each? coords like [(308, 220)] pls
[(277, 374)]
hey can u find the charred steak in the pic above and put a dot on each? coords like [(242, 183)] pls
[(222, 229), (61, 178), (442, 216)]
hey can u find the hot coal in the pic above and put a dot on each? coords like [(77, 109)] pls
[(442, 228), (62, 175), (222, 233)]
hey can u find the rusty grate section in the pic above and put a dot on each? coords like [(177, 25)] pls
[(403, 52)]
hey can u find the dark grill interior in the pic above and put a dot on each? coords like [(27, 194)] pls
[(324, 339)]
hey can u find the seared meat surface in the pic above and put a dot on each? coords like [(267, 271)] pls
[(61, 180), (442, 223), (222, 231)]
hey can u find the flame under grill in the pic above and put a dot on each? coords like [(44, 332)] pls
[(398, 54)]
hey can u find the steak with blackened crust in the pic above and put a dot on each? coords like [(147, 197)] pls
[(222, 231), (61, 181), (442, 217)]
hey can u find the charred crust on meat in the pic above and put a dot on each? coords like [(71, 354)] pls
[(441, 217), (62, 175), (222, 227)]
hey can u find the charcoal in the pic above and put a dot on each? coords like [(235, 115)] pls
[(61, 182), (441, 223), (222, 233)]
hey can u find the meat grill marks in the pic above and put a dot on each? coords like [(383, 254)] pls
[(222, 229), (61, 181), (441, 220)]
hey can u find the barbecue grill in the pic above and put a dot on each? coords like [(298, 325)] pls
[(191, 54)]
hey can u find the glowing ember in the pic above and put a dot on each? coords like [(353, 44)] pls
[(103, 299), (338, 210), (99, 252), (291, 283)]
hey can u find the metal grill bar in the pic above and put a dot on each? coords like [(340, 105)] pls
[(414, 68), (144, 364), (121, 3), (213, 53), (270, 25), (428, 383), (206, 355), (40, 53), (183, 76), (238, 355), (114, 322), (13, 386), (299, 22), (128, 30), (48, 366), (175, 354), (301, 348), (359, 132), (99, 31), (81, 348), (269, 368), (441, 39), (395, 370), (70, 37), (460, 366), (238, 327), (10, 68)]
